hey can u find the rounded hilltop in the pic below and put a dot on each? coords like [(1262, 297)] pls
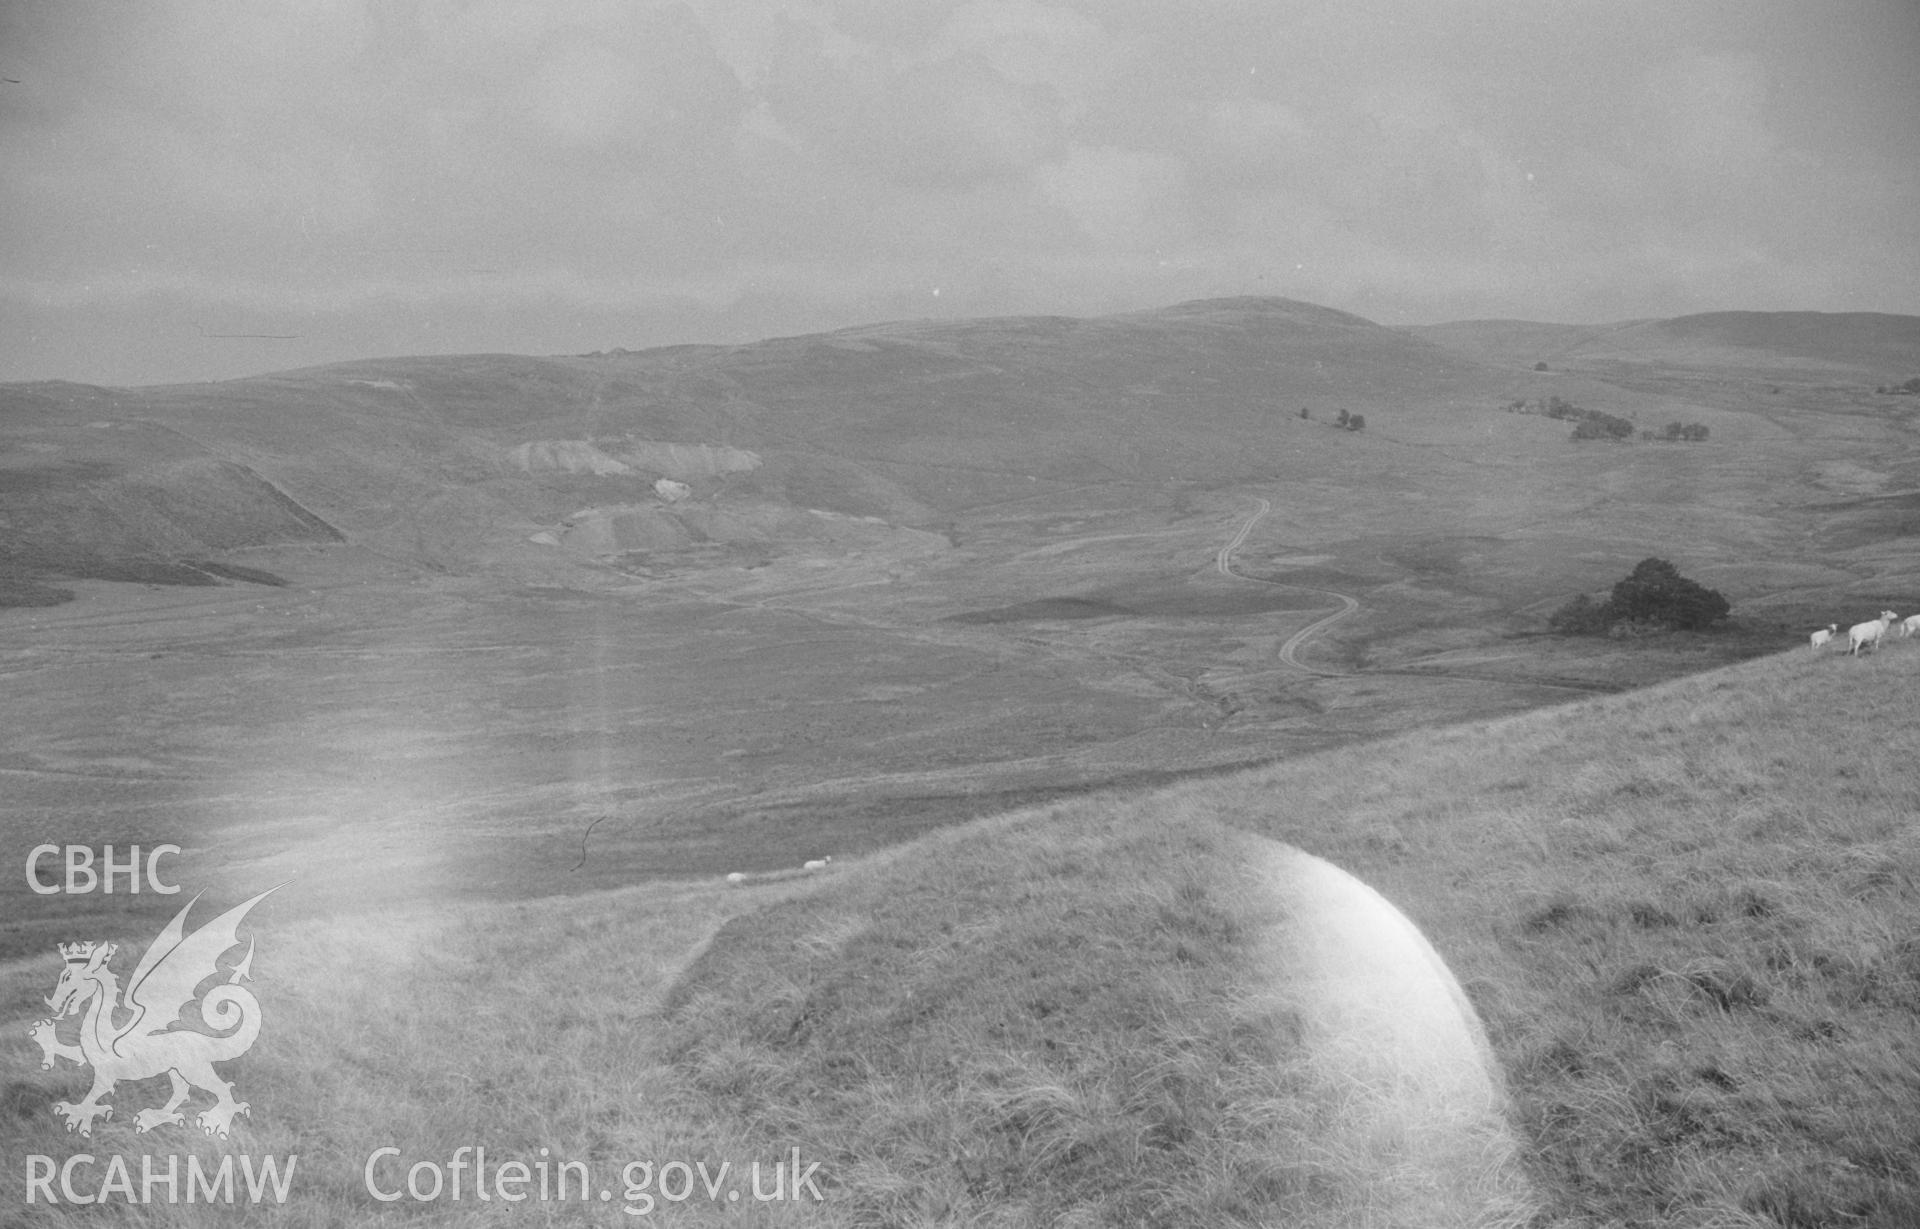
[(1267, 308), (1104, 1009)]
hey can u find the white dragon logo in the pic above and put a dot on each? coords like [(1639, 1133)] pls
[(145, 1043)]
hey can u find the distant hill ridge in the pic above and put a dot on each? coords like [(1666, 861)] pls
[(447, 460), (1876, 345), (433, 459), (1864, 337)]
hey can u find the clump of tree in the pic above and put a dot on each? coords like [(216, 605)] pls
[(1910, 389), (1600, 425), (1678, 432), (1343, 420), (1588, 424), (1654, 597), (1655, 592)]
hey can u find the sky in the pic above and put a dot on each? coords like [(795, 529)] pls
[(203, 189)]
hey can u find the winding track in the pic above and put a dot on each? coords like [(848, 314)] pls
[(1289, 652), (1224, 559)]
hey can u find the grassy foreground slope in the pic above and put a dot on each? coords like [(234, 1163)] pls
[(1082, 1015), (1690, 918), (1687, 916)]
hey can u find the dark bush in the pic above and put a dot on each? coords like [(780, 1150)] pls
[(1655, 592), (1654, 597), (1598, 425)]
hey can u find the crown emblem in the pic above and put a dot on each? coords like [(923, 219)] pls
[(77, 953)]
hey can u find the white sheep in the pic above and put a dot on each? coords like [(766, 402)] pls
[(818, 864), (1909, 626), (1823, 635), (736, 877), (1869, 632)]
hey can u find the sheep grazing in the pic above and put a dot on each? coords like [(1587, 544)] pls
[(1869, 633), (1909, 625), (818, 864), (1823, 635)]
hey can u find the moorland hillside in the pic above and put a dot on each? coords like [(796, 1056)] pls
[(448, 461), (552, 626), (1685, 917), (456, 463), (591, 618)]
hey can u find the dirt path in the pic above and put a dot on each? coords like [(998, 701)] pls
[(1289, 652), (1415, 1106), (1224, 559)]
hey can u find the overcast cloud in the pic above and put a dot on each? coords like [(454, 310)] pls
[(352, 178)]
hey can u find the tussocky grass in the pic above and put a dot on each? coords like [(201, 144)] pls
[(1687, 917)]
